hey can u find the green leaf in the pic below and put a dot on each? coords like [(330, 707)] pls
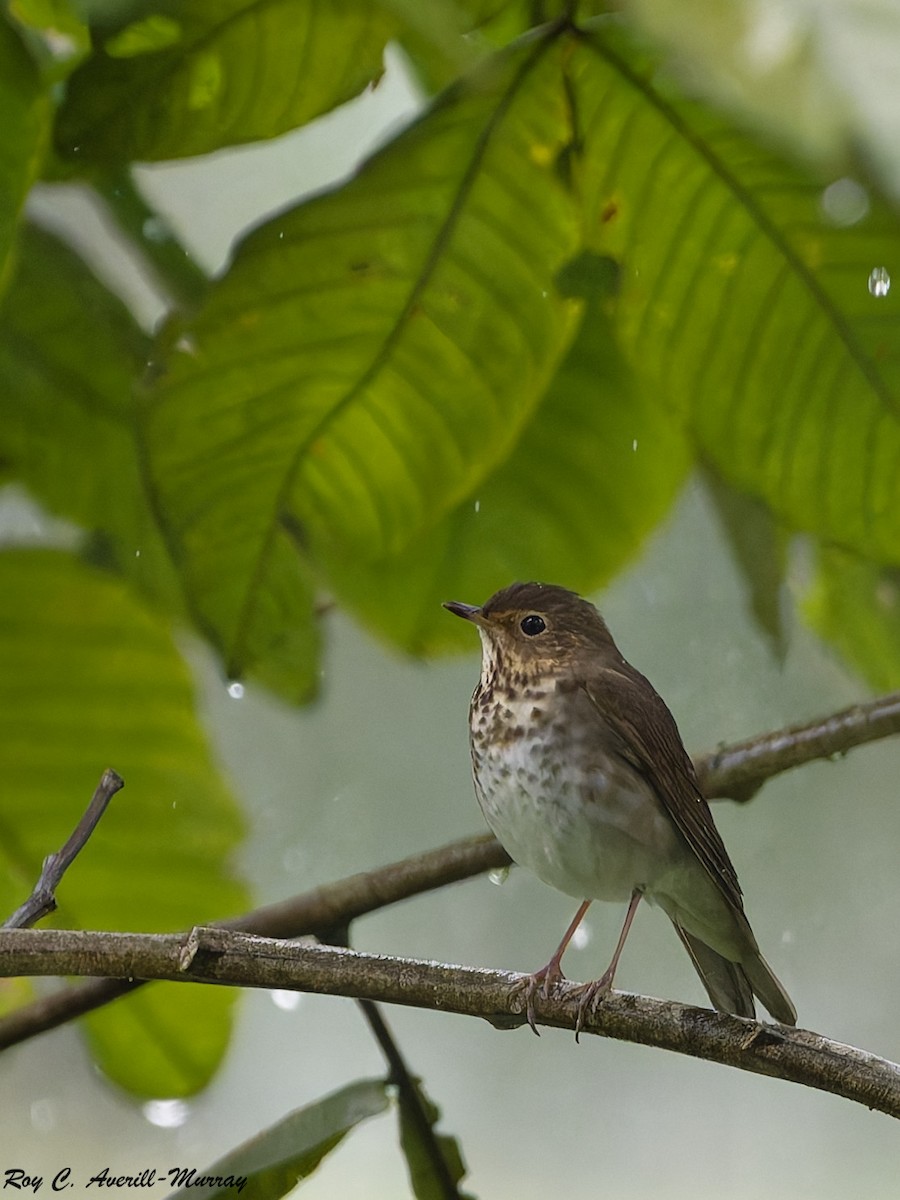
[(90, 679), (747, 303), (432, 36), (427, 1182), (855, 605), (594, 471), (274, 1162), (759, 548), (69, 354), (55, 31), (197, 75), (370, 355), (26, 109)]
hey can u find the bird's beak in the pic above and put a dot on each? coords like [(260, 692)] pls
[(469, 612)]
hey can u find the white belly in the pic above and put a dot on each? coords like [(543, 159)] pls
[(596, 838)]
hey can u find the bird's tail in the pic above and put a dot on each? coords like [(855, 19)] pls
[(731, 986)]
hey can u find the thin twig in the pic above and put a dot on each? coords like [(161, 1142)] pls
[(409, 1098), (219, 956), (42, 900)]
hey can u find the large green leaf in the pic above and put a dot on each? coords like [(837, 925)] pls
[(26, 111), (69, 353), (855, 606), (749, 296), (273, 1163), (594, 471), (89, 680), (55, 31), (196, 75), (759, 548), (370, 355)]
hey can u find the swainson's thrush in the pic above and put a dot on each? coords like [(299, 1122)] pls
[(581, 774)]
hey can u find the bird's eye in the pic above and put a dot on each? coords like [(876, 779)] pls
[(532, 625)]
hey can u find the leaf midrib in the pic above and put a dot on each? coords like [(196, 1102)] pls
[(380, 359)]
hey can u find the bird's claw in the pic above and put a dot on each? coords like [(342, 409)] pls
[(541, 982), (591, 996)]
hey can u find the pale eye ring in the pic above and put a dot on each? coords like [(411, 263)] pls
[(532, 625)]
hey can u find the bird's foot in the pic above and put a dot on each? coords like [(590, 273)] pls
[(540, 983), (591, 995)]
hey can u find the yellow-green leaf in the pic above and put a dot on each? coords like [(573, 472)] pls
[(24, 128), (91, 680), (762, 311), (371, 354), (202, 74)]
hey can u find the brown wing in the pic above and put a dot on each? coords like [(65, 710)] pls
[(646, 736)]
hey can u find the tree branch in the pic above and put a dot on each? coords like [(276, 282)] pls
[(739, 771), (209, 955), (735, 771), (43, 897), (319, 912)]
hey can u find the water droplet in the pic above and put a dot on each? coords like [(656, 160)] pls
[(286, 1001), (634, 444), (166, 1114), (478, 506), (844, 202), (582, 936), (236, 690), (186, 345), (155, 229), (60, 45), (886, 594), (499, 875), (879, 281), (137, 554), (43, 1115)]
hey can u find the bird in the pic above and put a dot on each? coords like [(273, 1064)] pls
[(582, 776)]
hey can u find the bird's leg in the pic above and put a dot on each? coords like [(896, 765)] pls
[(550, 973), (592, 993)]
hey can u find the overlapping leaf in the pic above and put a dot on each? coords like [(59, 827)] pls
[(759, 548), (91, 680), (26, 109), (69, 355), (855, 606), (435, 1162), (370, 355), (756, 312), (592, 474), (202, 74)]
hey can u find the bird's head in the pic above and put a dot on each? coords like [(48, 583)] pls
[(535, 628)]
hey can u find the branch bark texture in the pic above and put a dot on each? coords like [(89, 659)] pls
[(218, 956), (737, 771)]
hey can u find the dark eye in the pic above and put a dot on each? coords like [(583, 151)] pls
[(532, 625)]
